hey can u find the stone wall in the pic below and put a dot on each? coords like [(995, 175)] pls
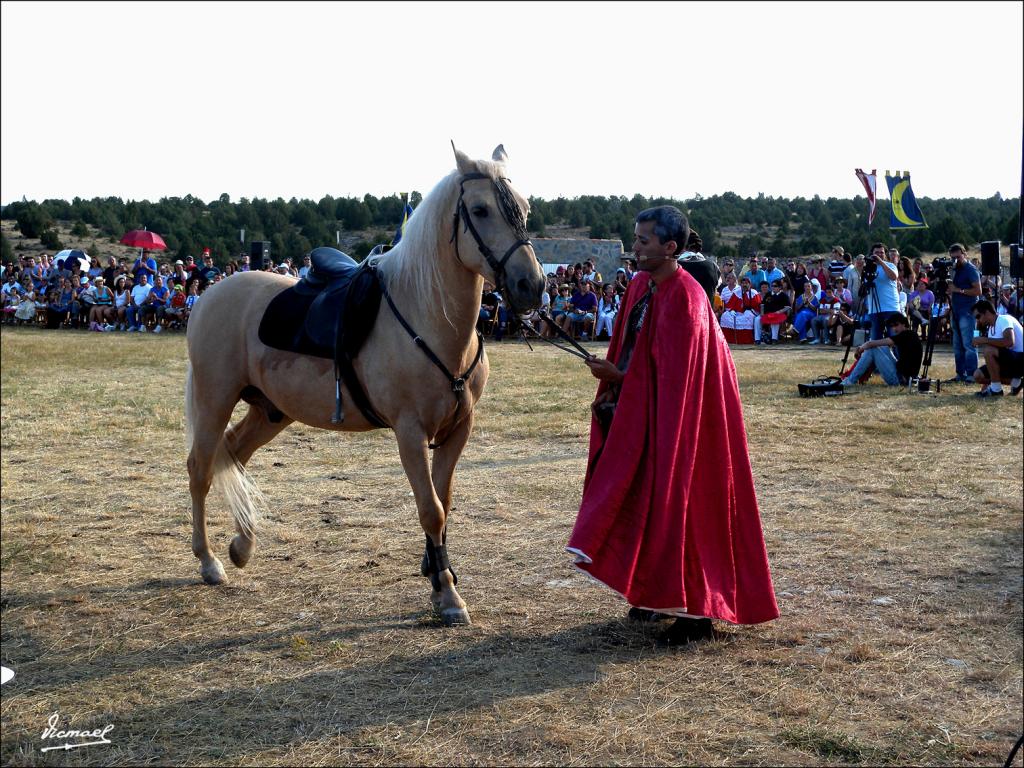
[(606, 254)]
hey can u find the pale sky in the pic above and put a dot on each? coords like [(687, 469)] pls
[(150, 100)]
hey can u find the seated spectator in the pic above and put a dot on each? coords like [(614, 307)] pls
[(489, 302), (776, 311), (101, 314), (607, 309), (208, 271), (12, 291), (122, 300), (25, 311), (307, 264), (897, 357), (805, 310), (534, 319), (797, 279), (843, 324), (139, 299), (61, 305), (742, 308), (156, 303), (560, 305), (919, 306), (772, 271), (190, 300), (841, 292), (828, 307), (1007, 303), (582, 309), (174, 313)]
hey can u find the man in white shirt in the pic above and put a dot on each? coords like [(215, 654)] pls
[(1003, 347), (140, 293)]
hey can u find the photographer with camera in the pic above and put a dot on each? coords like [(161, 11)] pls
[(897, 357), (1003, 348), (964, 289), (880, 289)]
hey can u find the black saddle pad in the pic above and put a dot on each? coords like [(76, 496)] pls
[(336, 310)]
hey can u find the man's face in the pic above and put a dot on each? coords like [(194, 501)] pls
[(878, 253), (897, 328), (585, 288), (771, 264), (959, 255), (208, 261), (143, 279), (650, 252), (776, 287), (158, 281), (745, 285), (984, 319)]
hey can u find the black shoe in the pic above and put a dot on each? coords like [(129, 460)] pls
[(685, 631), (986, 392), (644, 615)]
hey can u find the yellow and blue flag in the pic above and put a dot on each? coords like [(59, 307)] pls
[(401, 227), (905, 212)]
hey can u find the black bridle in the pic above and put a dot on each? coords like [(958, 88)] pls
[(510, 211)]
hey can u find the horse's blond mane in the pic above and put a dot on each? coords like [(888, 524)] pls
[(414, 264)]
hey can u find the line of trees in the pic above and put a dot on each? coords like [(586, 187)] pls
[(730, 225)]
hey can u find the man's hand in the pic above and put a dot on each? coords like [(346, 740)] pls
[(979, 341), (604, 370)]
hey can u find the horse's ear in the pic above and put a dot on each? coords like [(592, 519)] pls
[(462, 161), (499, 155)]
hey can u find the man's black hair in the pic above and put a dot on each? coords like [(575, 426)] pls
[(983, 306), (669, 224), (892, 320)]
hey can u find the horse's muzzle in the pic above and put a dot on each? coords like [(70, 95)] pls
[(524, 294)]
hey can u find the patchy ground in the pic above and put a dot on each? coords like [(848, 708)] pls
[(893, 523)]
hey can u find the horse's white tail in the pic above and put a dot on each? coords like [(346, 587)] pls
[(242, 495)]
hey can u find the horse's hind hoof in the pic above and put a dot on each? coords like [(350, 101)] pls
[(455, 617), (240, 551), (213, 573)]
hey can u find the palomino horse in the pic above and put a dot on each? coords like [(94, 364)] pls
[(471, 227)]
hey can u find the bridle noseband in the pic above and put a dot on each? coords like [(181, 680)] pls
[(510, 212)]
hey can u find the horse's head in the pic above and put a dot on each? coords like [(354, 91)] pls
[(490, 231)]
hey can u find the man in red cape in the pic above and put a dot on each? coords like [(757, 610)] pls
[(669, 517)]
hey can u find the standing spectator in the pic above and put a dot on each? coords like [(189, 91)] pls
[(964, 292), (621, 281), (179, 275), (139, 297), (190, 300), (607, 308), (772, 272), (144, 265), (818, 271), (837, 263), (883, 298), (243, 262), (753, 272), (798, 279), (852, 275), (110, 273), (1003, 348), (230, 268), (307, 264), (1007, 300), (208, 271)]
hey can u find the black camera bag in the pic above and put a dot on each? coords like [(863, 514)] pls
[(823, 386)]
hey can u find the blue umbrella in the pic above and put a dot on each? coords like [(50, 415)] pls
[(64, 259)]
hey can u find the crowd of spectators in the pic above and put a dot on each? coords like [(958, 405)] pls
[(134, 296)]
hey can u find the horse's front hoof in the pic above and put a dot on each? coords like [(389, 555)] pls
[(213, 573), (240, 551), (455, 617)]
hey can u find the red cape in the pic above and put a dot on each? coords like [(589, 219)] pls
[(669, 518)]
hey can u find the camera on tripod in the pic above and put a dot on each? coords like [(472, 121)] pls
[(867, 278), (941, 277)]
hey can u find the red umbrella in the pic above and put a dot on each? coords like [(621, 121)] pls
[(141, 238)]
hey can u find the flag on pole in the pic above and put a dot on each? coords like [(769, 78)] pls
[(905, 212), (869, 181), (401, 227)]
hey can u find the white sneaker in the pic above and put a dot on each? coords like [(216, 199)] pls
[(109, 327), (158, 329), (142, 329), (132, 329)]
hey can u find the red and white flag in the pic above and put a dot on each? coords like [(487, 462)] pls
[(868, 180)]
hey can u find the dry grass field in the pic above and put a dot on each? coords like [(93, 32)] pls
[(893, 523)]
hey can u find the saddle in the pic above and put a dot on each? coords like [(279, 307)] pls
[(329, 313)]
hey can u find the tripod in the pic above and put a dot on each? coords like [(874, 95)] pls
[(923, 382)]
